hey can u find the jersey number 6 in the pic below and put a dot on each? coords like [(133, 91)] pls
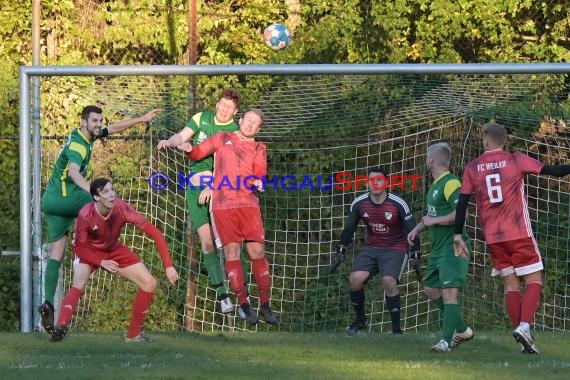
[(493, 188)]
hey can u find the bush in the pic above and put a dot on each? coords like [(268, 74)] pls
[(10, 294)]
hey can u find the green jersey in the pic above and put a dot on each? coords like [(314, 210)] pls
[(76, 150), (205, 125), (441, 200)]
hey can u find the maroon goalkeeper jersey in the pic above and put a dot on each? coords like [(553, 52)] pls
[(497, 179), (387, 224), (237, 163)]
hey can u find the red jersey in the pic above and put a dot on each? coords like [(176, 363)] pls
[(94, 232), (237, 163), (497, 179)]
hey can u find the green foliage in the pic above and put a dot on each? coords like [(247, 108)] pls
[(473, 30), (9, 294), (9, 165)]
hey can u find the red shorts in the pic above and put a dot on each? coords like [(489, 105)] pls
[(235, 225), (519, 256), (123, 255)]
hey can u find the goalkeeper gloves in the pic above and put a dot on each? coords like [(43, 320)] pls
[(339, 258), (415, 264), (415, 255)]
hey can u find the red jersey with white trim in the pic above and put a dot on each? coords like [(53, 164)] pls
[(101, 232), (237, 164), (497, 179)]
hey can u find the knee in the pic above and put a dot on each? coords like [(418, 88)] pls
[(149, 285), (208, 246), (355, 283), (432, 293), (389, 284)]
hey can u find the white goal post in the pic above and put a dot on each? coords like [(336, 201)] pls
[(30, 136)]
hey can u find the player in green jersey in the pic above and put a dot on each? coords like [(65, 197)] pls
[(201, 126), (67, 192), (446, 273)]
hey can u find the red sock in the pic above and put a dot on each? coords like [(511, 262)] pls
[(513, 302), (260, 268), (140, 310), (234, 270), (68, 306), (530, 301)]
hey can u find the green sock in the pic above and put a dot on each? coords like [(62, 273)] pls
[(460, 325), (215, 274), (439, 303), (51, 277), (450, 319)]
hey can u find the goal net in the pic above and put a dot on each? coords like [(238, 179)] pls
[(316, 127)]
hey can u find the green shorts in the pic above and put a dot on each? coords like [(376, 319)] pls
[(60, 212), (199, 214), (446, 272)]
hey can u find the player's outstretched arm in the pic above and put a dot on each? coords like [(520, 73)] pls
[(176, 139), (206, 148), (122, 125), (556, 170)]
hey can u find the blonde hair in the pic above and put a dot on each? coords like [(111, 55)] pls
[(441, 153)]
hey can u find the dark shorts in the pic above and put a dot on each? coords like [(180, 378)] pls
[(60, 212), (387, 262)]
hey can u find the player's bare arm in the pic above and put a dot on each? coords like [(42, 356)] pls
[(413, 234), (444, 220), (176, 139), (122, 125), (76, 177)]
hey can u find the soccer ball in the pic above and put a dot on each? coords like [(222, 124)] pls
[(277, 36)]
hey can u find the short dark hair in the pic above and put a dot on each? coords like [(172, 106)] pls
[(97, 185), (90, 109), (496, 132), (231, 94), (379, 169)]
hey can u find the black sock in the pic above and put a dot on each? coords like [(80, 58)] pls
[(393, 305), (357, 301)]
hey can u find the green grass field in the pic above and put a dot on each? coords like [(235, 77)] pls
[(278, 356)]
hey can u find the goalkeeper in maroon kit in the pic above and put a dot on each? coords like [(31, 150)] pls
[(240, 166), (96, 245), (388, 220)]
